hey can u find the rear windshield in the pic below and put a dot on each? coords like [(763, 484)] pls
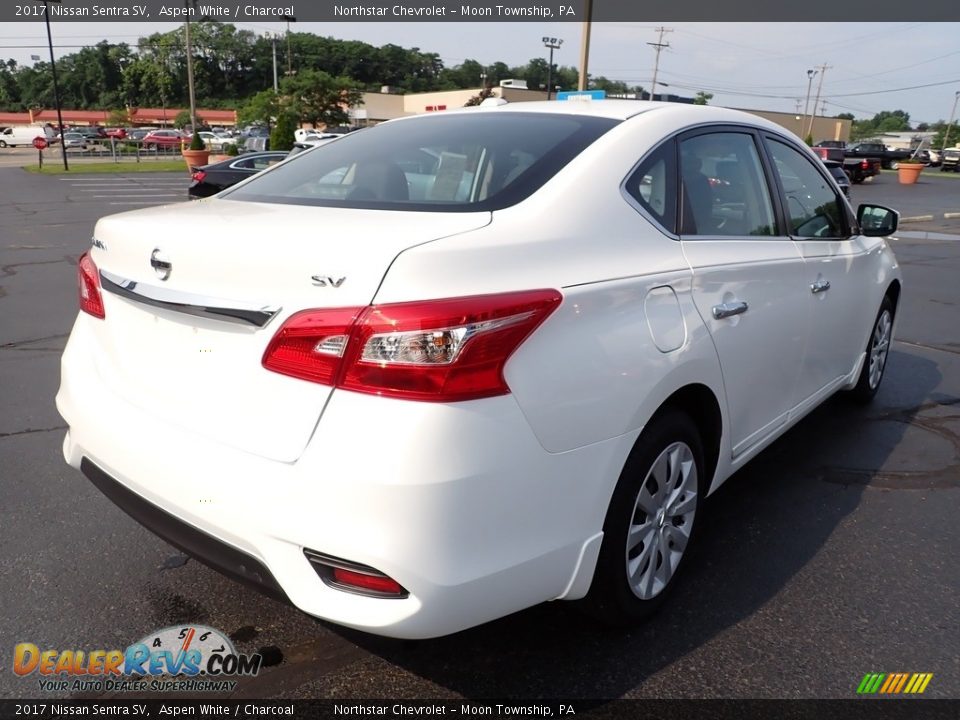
[(460, 162)]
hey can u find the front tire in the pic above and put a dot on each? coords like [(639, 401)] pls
[(650, 523), (878, 348)]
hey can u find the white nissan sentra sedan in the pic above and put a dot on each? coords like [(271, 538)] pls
[(456, 365)]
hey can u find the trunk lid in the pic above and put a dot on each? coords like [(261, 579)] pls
[(202, 371)]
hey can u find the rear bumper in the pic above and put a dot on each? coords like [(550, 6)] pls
[(206, 548), (458, 503)]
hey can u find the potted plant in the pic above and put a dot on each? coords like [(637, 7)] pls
[(197, 154), (908, 171)]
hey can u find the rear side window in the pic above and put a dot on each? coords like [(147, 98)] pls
[(654, 186), (724, 189), (461, 162)]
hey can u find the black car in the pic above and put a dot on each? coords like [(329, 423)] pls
[(210, 179), (838, 173)]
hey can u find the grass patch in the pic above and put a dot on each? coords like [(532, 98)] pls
[(109, 168)]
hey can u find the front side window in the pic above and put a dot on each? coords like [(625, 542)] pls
[(461, 162), (813, 208), (723, 189)]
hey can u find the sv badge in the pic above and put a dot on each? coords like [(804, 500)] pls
[(327, 281)]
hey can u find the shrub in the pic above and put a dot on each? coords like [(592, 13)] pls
[(281, 137), (231, 150), (196, 142)]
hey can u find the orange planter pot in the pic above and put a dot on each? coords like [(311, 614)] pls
[(908, 173), (195, 158)]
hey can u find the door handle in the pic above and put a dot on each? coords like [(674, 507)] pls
[(725, 310), (820, 286)]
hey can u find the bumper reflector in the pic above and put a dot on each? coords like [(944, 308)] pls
[(353, 577)]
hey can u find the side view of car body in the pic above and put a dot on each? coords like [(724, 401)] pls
[(459, 364), (210, 179), (164, 138)]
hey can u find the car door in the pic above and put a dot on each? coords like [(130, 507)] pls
[(837, 268), (748, 277)]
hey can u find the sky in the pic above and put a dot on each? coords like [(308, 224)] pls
[(870, 66)]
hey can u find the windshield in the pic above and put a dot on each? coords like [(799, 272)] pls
[(459, 162)]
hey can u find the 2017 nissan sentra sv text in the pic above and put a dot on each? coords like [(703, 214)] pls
[(456, 365)]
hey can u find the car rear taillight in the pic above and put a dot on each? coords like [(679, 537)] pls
[(864, 164), (437, 350), (198, 175), (88, 281)]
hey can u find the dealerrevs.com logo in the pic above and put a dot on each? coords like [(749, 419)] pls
[(178, 658)]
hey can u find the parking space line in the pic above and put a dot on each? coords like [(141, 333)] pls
[(146, 202), (143, 197)]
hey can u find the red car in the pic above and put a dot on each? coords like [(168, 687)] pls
[(117, 133), (164, 138)]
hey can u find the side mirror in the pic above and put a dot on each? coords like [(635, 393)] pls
[(877, 220)]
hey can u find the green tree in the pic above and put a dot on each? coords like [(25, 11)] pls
[(182, 119), (702, 98), (261, 109), (317, 98), (281, 137)]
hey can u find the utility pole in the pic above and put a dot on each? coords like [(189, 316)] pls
[(823, 71), (946, 134), (658, 46), (289, 19), (56, 87), (585, 45), (193, 103), (276, 82)]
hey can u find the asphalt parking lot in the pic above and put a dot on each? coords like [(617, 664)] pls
[(832, 555)]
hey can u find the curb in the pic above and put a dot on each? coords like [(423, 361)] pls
[(930, 218)]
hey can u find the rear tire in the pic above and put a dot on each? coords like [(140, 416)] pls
[(650, 523), (878, 349), (3, 143)]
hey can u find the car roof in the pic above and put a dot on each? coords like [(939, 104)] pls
[(682, 113)]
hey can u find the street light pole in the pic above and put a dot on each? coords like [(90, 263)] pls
[(806, 106), (56, 87), (554, 44), (946, 135)]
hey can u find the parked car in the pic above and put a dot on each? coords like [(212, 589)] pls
[(75, 140), (466, 362), (164, 138), (138, 134), (210, 179), (838, 173), (92, 132), (950, 159), (216, 142), (117, 133)]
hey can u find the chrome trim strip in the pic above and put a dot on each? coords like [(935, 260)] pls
[(236, 311)]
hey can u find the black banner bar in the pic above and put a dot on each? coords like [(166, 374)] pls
[(477, 11), (855, 709)]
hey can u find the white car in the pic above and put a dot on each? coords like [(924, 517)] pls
[(216, 142), (463, 363)]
